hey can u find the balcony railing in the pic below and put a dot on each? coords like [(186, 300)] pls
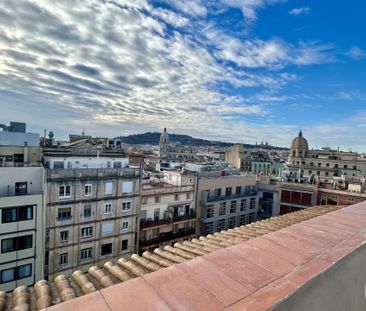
[(147, 223), (74, 174), (206, 199), (13, 193), (164, 237), (165, 190)]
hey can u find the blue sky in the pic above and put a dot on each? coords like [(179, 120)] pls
[(235, 70)]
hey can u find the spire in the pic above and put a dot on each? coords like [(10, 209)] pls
[(300, 133), (164, 129)]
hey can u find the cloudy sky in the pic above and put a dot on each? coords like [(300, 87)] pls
[(235, 70)]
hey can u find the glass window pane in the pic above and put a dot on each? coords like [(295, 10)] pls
[(24, 271), (7, 275), (9, 215), (8, 245)]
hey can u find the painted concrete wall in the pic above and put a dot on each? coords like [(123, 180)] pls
[(340, 288)]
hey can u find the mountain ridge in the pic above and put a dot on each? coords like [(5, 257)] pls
[(154, 137)]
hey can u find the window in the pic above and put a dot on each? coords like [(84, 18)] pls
[(64, 213), (176, 197), (335, 165), (106, 249), (64, 259), (127, 186), (319, 165), (252, 203), (125, 226), (232, 207), (64, 236), (238, 190), (188, 196), (247, 189), (64, 191), (251, 217), (8, 275), (126, 206), (16, 243), (88, 190), (108, 188), (156, 213), (124, 245), (355, 167), (345, 166), (86, 253), (222, 209), (58, 165), (108, 208), (16, 273), (210, 212), (143, 215), (87, 211), (157, 199), (217, 192), (231, 222), (228, 191), (117, 164), (24, 271), (16, 214), (107, 229), (87, 232), (243, 205), (155, 232), (242, 220), (144, 200), (221, 225), (20, 188), (209, 228)]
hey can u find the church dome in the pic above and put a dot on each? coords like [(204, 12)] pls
[(300, 142)]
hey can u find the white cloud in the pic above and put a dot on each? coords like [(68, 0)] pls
[(300, 11), (273, 53), (120, 67), (191, 7), (356, 53), (249, 8)]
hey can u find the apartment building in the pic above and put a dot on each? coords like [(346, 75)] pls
[(225, 200), (167, 209), (92, 206), (21, 208)]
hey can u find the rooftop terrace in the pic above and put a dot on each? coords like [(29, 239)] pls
[(296, 261)]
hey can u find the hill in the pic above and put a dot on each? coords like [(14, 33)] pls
[(176, 139)]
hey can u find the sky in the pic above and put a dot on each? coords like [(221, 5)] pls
[(232, 70)]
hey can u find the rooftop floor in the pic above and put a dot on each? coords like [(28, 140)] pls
[(253, 267)]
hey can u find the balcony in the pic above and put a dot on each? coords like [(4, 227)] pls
[(164, 237), (163, 188), (148, 223), (206, 199), (11, 192), (87, 174)]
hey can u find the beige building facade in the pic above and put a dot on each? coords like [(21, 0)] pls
[(325, 163), (91, 209), (167, 210)]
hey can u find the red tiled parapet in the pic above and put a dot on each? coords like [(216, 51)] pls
[(298, 267), (315, 257)]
